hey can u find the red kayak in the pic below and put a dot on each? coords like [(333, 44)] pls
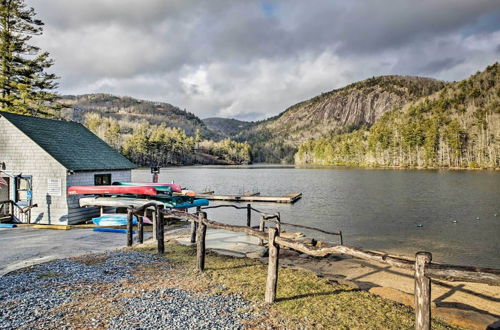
[(173, 186), (112, 190)]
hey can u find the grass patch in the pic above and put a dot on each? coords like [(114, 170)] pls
[(303, 299), (48, 275), (90, 259)]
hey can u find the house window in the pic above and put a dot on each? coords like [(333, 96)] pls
[(23, 190), (102, 179)]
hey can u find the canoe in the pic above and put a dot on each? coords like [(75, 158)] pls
[(174, 187), (112, 190), (115, 201), (117, 219), (138, 202)]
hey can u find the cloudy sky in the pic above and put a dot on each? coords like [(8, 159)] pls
[(252, 59)]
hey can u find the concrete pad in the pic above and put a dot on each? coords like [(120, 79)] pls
[(25, 246), (226, 242)]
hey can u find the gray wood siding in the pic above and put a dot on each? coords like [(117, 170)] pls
[(22, 155), (79, 214)]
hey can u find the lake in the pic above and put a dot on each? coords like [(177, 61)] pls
[(448, 213)]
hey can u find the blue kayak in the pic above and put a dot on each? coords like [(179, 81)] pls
[(194, 203), (113, 220)]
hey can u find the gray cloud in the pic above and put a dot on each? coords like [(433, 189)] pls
[(252, 59)]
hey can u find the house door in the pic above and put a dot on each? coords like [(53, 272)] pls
[(4, 196), (24, 194), (4, 188)]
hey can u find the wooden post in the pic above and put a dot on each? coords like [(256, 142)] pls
[(155, 223), (249, 215), (272, 270), (200, 247), (130, 215), (194, 225), (160, 231), (422, 292), (140, 229), (262, 225)]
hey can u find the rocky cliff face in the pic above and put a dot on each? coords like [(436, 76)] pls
[(342, 110)]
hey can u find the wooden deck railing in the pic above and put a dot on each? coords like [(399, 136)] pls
[(16, 213), (424, 269)]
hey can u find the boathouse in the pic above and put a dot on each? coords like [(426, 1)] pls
[(41, 158)]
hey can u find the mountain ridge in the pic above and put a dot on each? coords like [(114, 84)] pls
[(361, 103), (130, 109)]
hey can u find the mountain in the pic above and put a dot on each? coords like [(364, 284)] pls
[(458, 126), (227, 127), (341, 110), (128, 109)]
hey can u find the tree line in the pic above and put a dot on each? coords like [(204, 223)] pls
[(145, 144)]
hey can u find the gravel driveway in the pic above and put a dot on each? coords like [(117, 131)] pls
[(109, 291)]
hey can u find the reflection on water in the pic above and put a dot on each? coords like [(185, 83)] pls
[(397, 211)]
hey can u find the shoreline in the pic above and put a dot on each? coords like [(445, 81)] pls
[(318, 166)]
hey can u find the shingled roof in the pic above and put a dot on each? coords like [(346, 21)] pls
[(70, 143)]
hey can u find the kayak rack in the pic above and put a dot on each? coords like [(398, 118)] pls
[(253, 197)]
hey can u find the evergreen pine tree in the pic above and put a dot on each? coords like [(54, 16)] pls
[(25, 86)]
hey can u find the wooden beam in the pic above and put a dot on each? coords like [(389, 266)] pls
[(463, 273), (200, 246), (140, 229), (160, 236), (272, 270), (262, 226), (422, 292), (130, 215), (249, 215)]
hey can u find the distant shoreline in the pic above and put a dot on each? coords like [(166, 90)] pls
[(311, 166)]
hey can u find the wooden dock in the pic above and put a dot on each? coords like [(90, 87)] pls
[(253, 197)]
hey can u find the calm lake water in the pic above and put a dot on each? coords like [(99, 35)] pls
[(396, 211)]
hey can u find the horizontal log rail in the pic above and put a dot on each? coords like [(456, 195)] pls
[(424, 269), (434, 270), (268, 217)]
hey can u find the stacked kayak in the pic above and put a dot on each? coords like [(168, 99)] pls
[(115, 219), (159, 186), (177, 198), (112, 190), (166, 194)]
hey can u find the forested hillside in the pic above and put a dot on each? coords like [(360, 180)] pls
[(458, 126), (227, 127), (152, 133), (129, 111), (360, 104)]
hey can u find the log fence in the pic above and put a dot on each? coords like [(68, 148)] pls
[(424, 269)]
